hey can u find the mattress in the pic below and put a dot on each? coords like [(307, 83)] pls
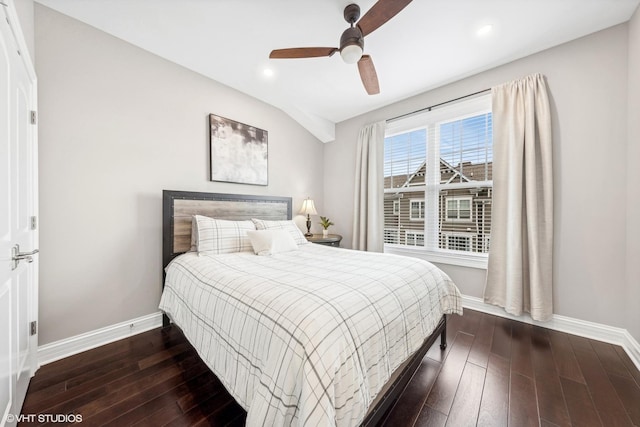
[(307, 337)]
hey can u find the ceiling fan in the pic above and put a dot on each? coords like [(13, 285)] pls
[(352, 40)]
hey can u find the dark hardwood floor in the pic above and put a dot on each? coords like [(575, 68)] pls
[(494, 372)]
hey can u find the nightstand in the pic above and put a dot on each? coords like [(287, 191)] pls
[(330, 240)]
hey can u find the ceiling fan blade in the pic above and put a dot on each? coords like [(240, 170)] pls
[(379, 14), (368, 75), (302, 52)]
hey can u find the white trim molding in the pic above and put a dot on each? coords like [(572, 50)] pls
[(68, 347), (583, 328), (77, 344), (470, 259)]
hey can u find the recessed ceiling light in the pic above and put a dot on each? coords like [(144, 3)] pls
[(267, 72), (484, 30)]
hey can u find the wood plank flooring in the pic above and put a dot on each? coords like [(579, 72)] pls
[(494, 372)]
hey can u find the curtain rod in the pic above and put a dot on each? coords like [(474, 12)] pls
[(436, 105)]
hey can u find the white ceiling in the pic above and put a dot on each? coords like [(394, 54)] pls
[(428, 44)]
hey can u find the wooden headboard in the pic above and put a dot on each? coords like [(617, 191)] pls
[(179, 206)]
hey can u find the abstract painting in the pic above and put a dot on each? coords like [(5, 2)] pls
[(239, 152)]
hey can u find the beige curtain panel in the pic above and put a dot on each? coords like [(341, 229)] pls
[(519, 274), (368, 211)]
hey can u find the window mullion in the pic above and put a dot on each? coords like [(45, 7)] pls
[(432, 180)]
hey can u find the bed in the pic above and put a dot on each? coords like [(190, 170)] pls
[(309, 336)]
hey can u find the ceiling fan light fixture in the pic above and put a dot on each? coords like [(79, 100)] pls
[(351, 45), (351, 53), (352, 40)]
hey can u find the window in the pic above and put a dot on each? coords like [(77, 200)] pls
[(485, 243), (458, 209), (440, 162), (457, 242), (416, 210), (414, 238), (391, 236)]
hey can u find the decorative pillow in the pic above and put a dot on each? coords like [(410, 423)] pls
[(220, 236), (288, 225), (271, 242)]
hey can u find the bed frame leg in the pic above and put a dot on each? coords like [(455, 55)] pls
[(165, 321), (443, 335)]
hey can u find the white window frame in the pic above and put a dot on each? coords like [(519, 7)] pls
[(457, 199), (415, 234), (396, 207), (391, 231), (486, 243), (432, 120), (469, 236), (421, 209)]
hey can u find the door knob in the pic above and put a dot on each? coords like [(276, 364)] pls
[(17, 256)]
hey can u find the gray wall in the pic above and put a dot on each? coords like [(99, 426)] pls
[(117, 126), (587, 79), (633, 180)]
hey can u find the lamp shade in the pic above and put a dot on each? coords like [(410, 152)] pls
[(308, 208)]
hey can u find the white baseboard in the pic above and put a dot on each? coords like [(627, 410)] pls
[(68, 347), (77, 344), (583, 328)]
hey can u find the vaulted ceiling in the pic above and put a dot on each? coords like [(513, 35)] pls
[(428, 44)]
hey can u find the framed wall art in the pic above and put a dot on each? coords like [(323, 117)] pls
[(239, 152)]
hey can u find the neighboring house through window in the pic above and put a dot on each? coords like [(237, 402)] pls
[(438, 181)]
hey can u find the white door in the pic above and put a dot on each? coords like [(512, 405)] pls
[(18, 205)]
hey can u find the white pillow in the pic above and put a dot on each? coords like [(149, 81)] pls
[(220, 236), (288, 226), (271, 242)]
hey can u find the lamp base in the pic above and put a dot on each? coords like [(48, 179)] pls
[(308, 233)]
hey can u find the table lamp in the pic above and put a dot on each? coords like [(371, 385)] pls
[(308, 208)]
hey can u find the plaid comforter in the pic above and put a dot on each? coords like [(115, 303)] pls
[(307, 337)]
